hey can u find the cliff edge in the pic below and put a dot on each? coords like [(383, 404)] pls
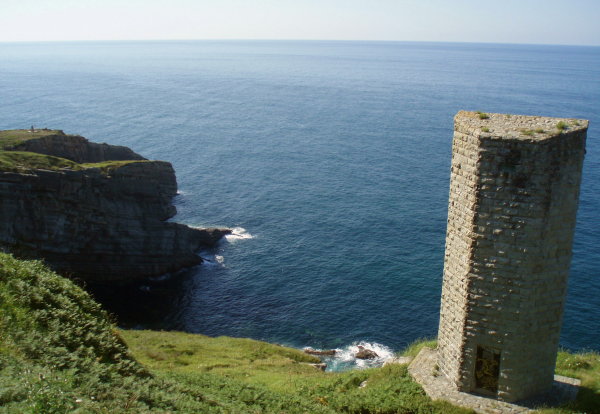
[(94, 211)]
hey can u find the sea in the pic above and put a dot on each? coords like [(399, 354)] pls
[(329, 159)]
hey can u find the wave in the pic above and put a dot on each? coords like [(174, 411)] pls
[(211, 259), (238, 233), (345, 358)]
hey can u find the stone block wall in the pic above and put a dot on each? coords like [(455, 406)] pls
[(511, 217)]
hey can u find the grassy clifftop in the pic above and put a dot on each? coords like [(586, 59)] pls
[(11, 137), (59, 352), (25, 161)]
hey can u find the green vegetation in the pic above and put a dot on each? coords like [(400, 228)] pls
[(539, 131), (415, 346), (22, 161), (282, 375), (59, 353), (586, 367), (485, 129), (482, 115), (561, 126), (13, 137), (109, 166)]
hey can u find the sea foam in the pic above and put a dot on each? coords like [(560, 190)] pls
[(238, 233), (345, 358)]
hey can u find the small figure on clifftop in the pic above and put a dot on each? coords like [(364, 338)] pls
[(32, 130)]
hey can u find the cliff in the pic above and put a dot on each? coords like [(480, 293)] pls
[(94, 211), (72, 147)]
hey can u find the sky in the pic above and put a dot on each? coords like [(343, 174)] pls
[(574, 22)]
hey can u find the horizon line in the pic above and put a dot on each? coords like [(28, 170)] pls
[(291, 40)]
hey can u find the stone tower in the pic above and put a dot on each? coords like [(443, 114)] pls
[(514, 192)]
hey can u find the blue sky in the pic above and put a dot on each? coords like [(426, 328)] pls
[(506, 21)]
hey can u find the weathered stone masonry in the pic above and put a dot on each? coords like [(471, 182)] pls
[(511, 217)]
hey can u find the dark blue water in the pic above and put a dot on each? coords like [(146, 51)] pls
[(333, 156)]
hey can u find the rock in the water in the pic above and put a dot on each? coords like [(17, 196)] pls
[(364, 353), (99, 223)]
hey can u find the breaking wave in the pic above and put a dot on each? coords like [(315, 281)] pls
[(238, 233), (345, 358)]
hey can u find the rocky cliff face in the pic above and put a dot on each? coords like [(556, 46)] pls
[(75, 148), (102, 224)]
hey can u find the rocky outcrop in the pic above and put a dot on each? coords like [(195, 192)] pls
[(76, 148), (100, 224), (364, 353)]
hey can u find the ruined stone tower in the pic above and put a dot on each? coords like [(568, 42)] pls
[(511, 217)]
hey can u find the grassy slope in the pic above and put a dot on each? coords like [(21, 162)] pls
[(24, 161), (196, 359), (415, 347), (12, 137), (59, 352), (109, 166), (586, 367)]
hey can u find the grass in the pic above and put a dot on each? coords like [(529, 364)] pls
[(9, 138), (60, 353), (109, 166), (415, 347), (244, 359), (485, 129), (561, 126), (282, 372), (586, 367), (482, 115), (23, 161)]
